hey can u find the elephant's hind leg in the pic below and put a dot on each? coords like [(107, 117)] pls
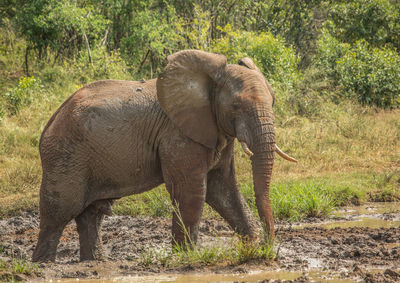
[(61, 199), (89, 228)]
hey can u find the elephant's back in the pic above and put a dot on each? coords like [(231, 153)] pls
[(111, 99)]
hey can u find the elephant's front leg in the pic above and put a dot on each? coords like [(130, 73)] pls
[(185, 176), (188, 200), (223, 196)]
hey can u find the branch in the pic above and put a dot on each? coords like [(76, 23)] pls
[(88, 47)]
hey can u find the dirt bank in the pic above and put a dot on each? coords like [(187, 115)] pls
[(357, 253)]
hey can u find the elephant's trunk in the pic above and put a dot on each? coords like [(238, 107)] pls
[(263, 147)]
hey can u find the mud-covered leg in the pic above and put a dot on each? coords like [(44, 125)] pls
[(184, 168), (223, 196), (89, 229), (46, 247), (188, 203), (56, 210)]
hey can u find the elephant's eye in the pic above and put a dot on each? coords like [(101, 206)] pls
[(236, 106)]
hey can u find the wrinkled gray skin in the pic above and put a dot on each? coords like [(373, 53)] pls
[(116, 138)]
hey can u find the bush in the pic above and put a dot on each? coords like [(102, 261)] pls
[(59, 25), (375, 21), (53, 74), (104, 65), (367, 74), (152, 37), (329, 51), (371, 75), (276, 61), (22, 94)]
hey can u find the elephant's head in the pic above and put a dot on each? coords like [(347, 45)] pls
[(207, 98)]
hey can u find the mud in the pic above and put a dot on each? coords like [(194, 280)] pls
[(306, 252)]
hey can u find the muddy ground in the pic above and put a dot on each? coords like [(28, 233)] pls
[(354, 253)]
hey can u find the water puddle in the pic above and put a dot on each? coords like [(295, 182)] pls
[(254, 276), (371, 208), (371, 215), (392, 245), (364, 222)]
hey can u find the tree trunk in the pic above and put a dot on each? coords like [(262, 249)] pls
[(26, 60)]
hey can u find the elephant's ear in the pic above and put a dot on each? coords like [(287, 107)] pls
[(247, 62), (184, 89)]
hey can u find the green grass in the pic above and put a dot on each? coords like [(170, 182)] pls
[(11, 270), (21, 266), (154, 203), (237, 251)]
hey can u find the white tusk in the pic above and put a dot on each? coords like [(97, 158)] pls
[(284, 155), (246, 149)]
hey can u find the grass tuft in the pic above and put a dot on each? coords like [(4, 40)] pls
[(237, 251), (295, 201), (11, 270), (247, 250)]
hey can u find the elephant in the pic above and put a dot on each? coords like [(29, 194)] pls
[(115, 138)]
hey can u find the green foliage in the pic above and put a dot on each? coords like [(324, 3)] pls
[(276, 61), (53, 74), (198, 31), (151, 39), (27, 89), (371, 75), (368, 74), (308, 98), (298, 22), (108, 38), (60, 25), (104, 65), (376, 21), (329, 51)]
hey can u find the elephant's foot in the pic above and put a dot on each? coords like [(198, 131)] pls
[(89, 229), (184, 234), (46, 247), (188, 207)]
